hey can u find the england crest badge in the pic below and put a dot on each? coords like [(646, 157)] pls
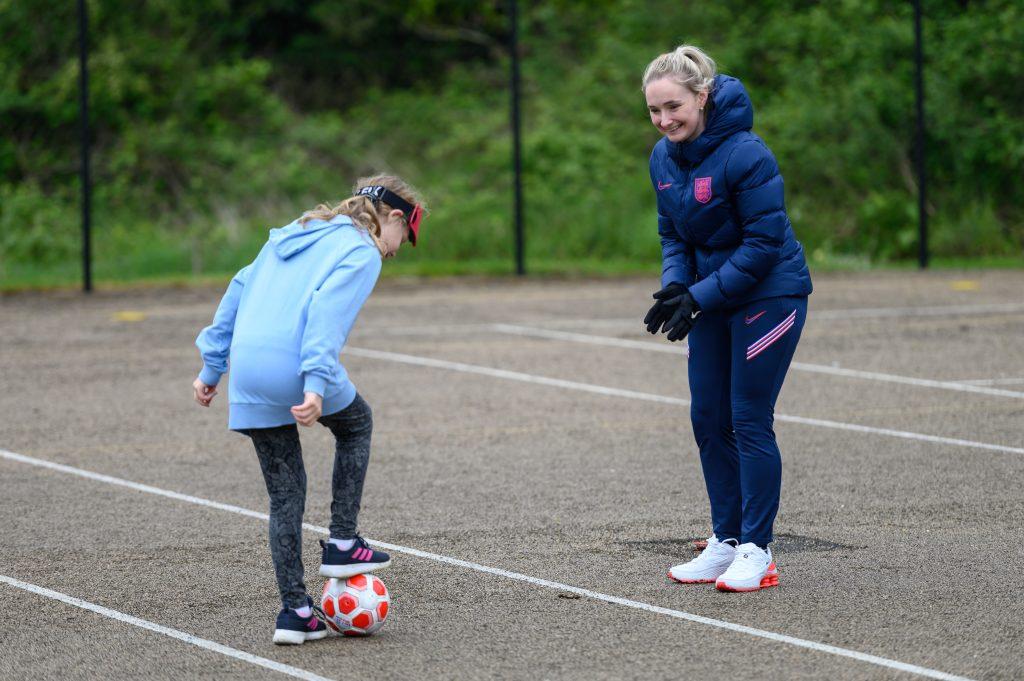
[(702, 189)]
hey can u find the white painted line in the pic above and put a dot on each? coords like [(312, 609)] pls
[(993, 381), (634, 322), (536, 581), (930, 311), (903, 434), (862, 313), (679, 614), (419, 329), (607, 341), (511, 375), (907, 380), (160, 629), (960, 386), (648, 397)]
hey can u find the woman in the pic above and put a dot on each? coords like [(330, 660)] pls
[(734, 278)]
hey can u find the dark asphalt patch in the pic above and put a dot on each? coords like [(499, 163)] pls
[(784, 543)]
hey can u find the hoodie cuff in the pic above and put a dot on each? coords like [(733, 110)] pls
[(209, 376), (315, 384)]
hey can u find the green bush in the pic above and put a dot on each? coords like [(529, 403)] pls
[(36, 228), (212, 126)]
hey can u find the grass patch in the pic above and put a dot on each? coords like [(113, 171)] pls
[(69, 277)]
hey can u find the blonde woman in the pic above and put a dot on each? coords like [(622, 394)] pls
[(281, 325), (735, 280)]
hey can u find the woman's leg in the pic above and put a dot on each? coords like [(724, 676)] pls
[(280, 455), (710, 411), (765, 335), (352, 428)]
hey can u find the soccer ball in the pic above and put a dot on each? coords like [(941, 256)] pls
[(356, 606)]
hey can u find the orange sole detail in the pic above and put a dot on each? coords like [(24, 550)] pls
[(769, 580), (765, 583)]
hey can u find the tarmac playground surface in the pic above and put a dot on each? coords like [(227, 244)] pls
[(534, 476)]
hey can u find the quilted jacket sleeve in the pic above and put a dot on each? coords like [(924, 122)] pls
[(756, 185), (676, 254), (677, 261)]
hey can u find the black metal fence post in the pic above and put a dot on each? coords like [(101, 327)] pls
[(83, 119), (922, 214), (516, 147)]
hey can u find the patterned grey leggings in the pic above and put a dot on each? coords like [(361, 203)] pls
[(280, 455)]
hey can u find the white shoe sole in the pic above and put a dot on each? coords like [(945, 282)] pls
[(692, 580), (342, 571), (770, 579), (287, 637), (707, 576)]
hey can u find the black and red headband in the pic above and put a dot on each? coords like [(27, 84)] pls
[(413, 212)]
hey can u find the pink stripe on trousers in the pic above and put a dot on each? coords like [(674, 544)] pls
[(775, 334)]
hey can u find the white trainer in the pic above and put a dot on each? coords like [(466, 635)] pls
[(753, 568), (708, 566)]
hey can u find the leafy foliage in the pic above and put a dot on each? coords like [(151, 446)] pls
[(213, 120)]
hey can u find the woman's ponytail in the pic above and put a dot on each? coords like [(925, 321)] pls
[(687, 65)]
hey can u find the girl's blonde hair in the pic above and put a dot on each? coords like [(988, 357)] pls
[(687, 65), (361, 208)]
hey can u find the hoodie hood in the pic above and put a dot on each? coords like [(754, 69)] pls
[(731, 112), (295, 238)]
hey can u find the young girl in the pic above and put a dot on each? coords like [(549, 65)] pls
[(282, 324), (733, 273)]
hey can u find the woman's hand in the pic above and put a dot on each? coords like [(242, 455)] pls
[(664, 306), (204, 394), (684, 317), (309, 411)]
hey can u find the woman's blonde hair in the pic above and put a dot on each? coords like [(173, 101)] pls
[(687, 65), (361, 208)]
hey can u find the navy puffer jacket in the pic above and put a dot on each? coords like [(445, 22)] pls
[(721, 215)]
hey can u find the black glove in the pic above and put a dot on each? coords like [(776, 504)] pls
[(660, 312), (684, 316)]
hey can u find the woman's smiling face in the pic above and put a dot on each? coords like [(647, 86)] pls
[(675, 111)]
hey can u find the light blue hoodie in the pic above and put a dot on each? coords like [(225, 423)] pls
[(285, 318)]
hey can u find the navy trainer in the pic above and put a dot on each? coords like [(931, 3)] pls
[(294, 630), (357, 560)]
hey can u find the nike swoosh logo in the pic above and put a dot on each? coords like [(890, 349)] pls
[(662, 186), (750, 320)]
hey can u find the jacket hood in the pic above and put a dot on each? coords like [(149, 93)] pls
[(731, 112), (295, 238)]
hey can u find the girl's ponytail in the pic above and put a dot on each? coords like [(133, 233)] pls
[(361, 208)]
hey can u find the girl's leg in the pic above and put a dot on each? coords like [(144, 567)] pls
[(352, 428), (280, 456), (710, 411), (765, 335)]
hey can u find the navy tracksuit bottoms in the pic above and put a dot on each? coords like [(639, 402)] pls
[(738, 360)]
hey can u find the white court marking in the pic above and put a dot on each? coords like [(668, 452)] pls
[(929, 311), (634, 322), (664, 399), (536, 581), (649, 346), (993, 381), (160, 629)]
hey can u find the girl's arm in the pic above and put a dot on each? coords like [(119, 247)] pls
[(214, 342), (756, 184), (332, 312)]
